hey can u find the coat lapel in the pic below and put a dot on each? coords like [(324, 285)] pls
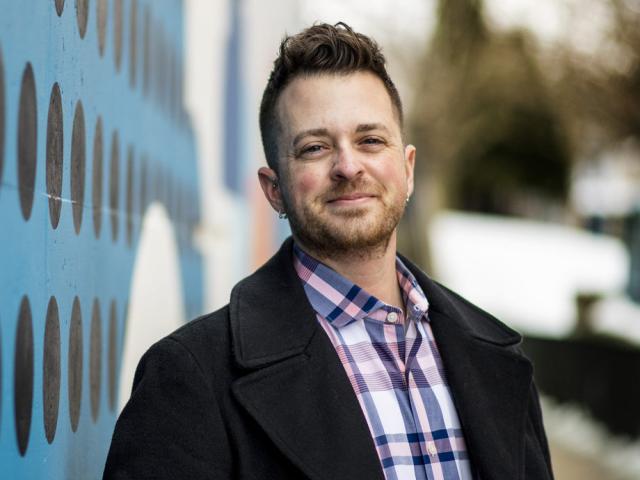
[(489, 381), (296, 388)]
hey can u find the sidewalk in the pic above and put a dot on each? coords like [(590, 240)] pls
[(568, 465), (583, 449)]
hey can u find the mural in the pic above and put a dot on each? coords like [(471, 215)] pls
[(93, 135)]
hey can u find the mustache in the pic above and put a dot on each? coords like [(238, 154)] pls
[(351, 188)]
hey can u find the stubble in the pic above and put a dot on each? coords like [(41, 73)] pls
[(350, 232)]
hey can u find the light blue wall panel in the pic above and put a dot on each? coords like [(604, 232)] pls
[(92, 131)]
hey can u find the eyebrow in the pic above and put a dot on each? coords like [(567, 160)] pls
[(323, 132), (367, 127), (315, 132)]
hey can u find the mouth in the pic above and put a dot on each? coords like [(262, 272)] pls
[(351, 199)]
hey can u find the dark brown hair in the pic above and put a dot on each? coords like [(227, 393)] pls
[(319, 49)]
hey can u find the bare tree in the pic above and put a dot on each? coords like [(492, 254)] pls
[(485, 122)]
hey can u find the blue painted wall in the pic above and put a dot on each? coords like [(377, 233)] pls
[(92, 131)]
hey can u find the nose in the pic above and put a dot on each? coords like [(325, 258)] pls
[(346, 165)]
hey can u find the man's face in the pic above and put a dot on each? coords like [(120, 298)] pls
[(345, 174)]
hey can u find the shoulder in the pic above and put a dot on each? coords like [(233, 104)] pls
[(174, 411), (473, 319), (203, 342), (202, 330), (484, 324)]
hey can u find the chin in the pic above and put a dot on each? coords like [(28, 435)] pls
[(342, 237), (350, 230)]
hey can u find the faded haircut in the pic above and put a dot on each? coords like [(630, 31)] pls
[(319, 49)]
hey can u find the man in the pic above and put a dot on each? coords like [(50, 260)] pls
[(338, 359)]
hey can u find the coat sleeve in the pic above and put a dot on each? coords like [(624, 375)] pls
[(171, 427)]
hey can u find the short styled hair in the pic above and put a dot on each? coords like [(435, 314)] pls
[(319, 49)]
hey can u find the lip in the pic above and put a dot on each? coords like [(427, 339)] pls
[(351, 199)]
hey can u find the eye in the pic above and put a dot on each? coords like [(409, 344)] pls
[(372, 142), (312, 150)]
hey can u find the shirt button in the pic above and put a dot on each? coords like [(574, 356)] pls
[(392, 317), (431, 448)]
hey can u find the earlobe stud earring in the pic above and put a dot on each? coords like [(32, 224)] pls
[(282, 215)]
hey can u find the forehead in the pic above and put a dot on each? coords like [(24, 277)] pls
[(336, 102)]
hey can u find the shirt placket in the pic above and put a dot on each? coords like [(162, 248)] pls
[(428, 448), (393, 331)]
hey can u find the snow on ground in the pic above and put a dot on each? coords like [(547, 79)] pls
[(524, 272), (618, 316)]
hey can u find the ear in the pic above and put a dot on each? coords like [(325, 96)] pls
[(271, 187), (409, 165)]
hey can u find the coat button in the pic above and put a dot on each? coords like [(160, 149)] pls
[(392, 317)]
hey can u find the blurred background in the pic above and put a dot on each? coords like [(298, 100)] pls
[(129, 203)]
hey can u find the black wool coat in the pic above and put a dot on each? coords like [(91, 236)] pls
[(255, 390)]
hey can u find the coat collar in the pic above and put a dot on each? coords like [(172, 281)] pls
[(297, 390), (271, 318), (470, 319), (275, 292)]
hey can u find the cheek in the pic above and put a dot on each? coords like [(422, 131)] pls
[(307, 183), (393, 176)]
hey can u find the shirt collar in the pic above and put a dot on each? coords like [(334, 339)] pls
[(341, 302)]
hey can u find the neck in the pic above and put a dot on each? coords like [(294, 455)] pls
[(373, 270)]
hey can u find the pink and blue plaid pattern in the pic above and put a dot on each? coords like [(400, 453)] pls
[(395, 370)]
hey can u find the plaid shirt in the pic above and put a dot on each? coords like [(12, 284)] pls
[(396, 373)]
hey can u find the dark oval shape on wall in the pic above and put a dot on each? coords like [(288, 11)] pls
[(117, 33), (143, 185), (114, 185), (27, 141), (74, 371), (51, 370), (129, 195), (95, 359), (101, 20), (23, 376), (113, 353), (55, 155), (133, 43), (96, 188), (146, 49), (78, 162), (82, 16), (59, 6)]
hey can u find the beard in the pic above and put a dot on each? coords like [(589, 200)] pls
[(360, 231)]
